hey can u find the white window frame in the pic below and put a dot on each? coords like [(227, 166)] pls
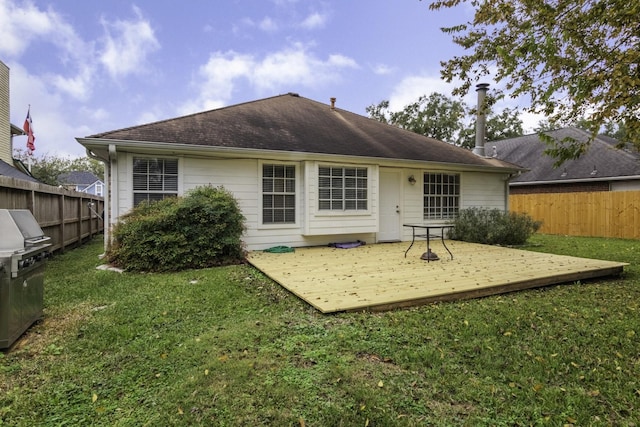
[(441, 198), (167, 189), (327, 193), (281, 187), (283, 225)]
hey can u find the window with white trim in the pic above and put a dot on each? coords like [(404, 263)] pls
[(154, 179), (278, 194), (342, 188), (99, 189), (441, 195)]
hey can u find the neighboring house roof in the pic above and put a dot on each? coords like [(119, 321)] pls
[(602, 161), (10, 171), (290, 123), (82, 178), (15, 130)]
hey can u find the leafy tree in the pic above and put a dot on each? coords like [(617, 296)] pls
[(443, 118), (47, 168), (498, 126), (573, 59), (435, 115)]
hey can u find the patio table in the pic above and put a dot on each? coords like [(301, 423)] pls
[(425, 231)]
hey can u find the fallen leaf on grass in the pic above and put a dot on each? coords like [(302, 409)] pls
[(380, 383), (94, 397)]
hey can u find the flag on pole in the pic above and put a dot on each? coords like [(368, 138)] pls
[(28, 128)]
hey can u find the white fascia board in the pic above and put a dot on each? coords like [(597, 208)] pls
[(578, 180), (184, 150)]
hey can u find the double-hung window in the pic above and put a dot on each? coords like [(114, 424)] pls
[(342, 188), (154, 179), (441, 195), (278, 194)]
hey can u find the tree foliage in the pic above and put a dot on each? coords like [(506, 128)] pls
[(434, 115), (448, 120), (46, 168), (573, 59)]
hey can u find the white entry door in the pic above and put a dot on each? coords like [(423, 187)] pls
[(390, 214)]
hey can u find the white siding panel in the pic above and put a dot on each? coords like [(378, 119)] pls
[(5, 124), (323, 223), (625, 185), (242, 177), (485, 190)]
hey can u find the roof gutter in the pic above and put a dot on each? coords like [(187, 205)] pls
[(171, 149), (578, 180)]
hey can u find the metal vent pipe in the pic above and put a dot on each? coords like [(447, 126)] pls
[(481, 132)]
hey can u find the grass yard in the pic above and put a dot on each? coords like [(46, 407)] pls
[(227, 347)]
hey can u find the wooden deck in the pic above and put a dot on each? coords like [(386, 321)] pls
[(379, 277)]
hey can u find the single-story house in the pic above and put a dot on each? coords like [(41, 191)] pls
[(304, 173), (82, 181), (603, 167)]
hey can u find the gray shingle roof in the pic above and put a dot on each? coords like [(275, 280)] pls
[(293, 123), (77, 178), (528, 151), (8, 170)]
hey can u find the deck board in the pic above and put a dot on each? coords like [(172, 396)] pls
[(379, 277)]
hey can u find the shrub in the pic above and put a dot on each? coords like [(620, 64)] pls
[(199, 230), (493, 227)]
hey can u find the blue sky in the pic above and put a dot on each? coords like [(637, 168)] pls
[(91, 66)]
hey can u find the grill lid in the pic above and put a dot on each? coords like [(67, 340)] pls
[(19, 229)]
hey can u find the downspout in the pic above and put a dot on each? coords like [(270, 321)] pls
[(481, 121), (105, 211), (506, 189), (113, 171)]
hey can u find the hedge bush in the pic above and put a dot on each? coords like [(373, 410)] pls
[(493, 227), (202, 229)]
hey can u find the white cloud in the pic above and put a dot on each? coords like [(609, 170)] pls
[(267, 24), (279, 71), (382, 69), (14, 20), (413, 87), (21, 26), (127, 45), (78, 86), (54, 132), (314, 21)]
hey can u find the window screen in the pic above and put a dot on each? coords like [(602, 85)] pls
[(441, 195), (154, 179), (342, 188), (278, 194)]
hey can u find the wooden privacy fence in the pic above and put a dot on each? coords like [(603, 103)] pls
[(601, 214), (68, 217)]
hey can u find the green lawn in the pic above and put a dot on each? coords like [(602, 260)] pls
[(226, 346)]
